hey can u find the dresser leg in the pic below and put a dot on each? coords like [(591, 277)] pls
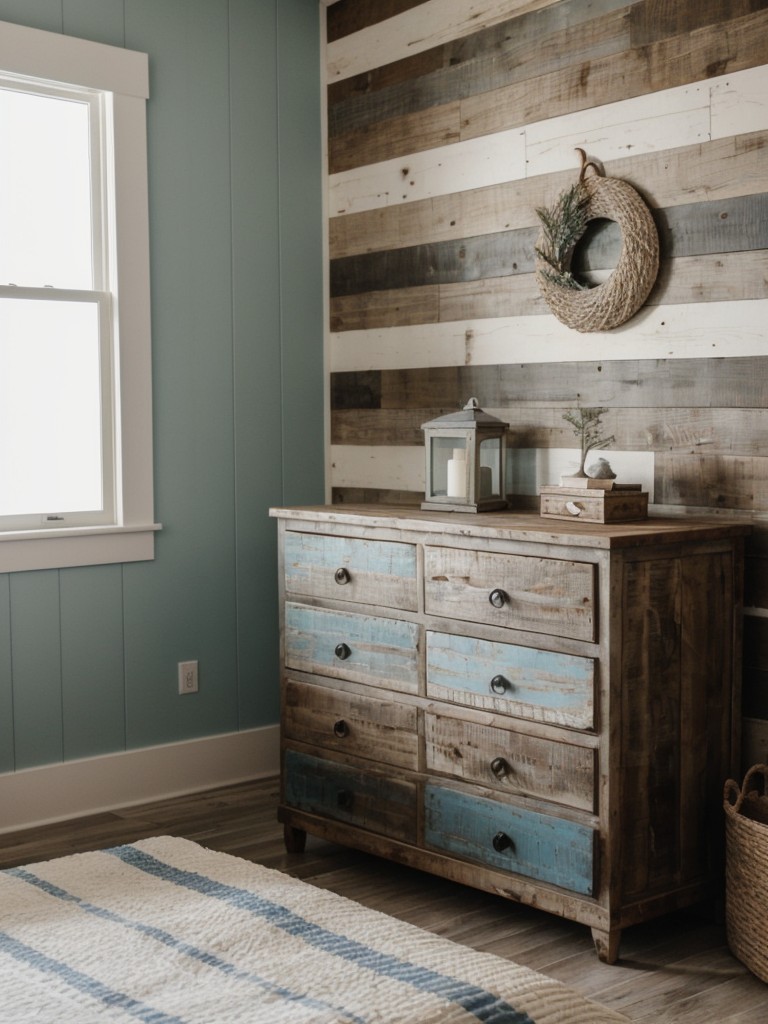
[(295, 839), (607, 944)]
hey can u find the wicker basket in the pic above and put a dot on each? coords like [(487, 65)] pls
[(746, 869)]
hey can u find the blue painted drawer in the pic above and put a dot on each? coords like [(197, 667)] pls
[(371, 801), (347, 569), (539, 846), (543, 686), (543, 595), (363, 648)]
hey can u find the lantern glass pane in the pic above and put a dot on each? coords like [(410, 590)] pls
[(449, 467), (490, 468)]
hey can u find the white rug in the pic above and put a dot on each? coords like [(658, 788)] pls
[(166, 932)]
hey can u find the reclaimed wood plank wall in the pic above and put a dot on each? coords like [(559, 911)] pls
[(448, 124)]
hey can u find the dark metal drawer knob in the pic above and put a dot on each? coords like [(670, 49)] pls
[(342, 652), (501, 842), (499, 684), (498, 597), (344, 799), (500, 767), (342, 576), (340, 729)]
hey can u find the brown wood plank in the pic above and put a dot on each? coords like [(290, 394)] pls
[(532, 44), (685, 431), (710, 171), (707, 666), (655, 19), (385, 308), (347, 16), (717, 277), (464, 63), (671, 62), (756, 585), (650, 715), (736, 382), (730, 225), (664, 65), (716, 481)]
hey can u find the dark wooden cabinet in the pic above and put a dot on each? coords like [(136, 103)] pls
[(546, 710)]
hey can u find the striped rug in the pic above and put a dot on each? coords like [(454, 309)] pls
[(167, 932)]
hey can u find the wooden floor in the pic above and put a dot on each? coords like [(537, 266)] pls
[(677, 969)]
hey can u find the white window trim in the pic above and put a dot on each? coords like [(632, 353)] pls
[(125, 73)]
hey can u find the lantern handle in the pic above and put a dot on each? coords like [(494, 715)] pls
[(472, 404)]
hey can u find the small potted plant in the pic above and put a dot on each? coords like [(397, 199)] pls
[(586, 426)]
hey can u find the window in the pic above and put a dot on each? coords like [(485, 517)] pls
[(75, 427)]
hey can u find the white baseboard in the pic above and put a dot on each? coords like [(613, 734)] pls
[(38, 796)]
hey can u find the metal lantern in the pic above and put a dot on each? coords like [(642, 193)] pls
[(466, 455)]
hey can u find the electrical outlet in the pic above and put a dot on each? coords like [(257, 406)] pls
[(187, 677)]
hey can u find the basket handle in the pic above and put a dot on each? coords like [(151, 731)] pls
[(734, 797)]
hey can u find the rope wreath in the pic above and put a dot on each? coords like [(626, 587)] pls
[(614, 301)]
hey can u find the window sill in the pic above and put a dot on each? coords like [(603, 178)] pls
[(60, 549)]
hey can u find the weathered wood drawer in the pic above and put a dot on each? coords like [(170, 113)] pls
[(347, 569), (363, 648), (543, 686), (371, 801), (511, 761), (540, 846), (544, 595), (363, 726)]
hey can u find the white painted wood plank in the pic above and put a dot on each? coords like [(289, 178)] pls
[(419, 29), (645, 124), (457, 167), (739, 101), (394, 467), (681, 118), (684, 331)]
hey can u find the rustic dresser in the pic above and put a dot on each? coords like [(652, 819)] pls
[(545, 710)]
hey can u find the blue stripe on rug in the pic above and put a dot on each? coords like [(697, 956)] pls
[(483, 1005), (84, 983), (160, 935)]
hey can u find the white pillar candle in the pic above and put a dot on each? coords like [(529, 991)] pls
[(457, 474), (486, 481)]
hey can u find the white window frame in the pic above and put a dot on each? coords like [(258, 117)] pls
[(33, 53)]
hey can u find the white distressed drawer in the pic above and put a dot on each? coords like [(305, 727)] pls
[(510, 761)]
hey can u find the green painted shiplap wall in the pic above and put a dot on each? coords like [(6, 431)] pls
[(88, 656)]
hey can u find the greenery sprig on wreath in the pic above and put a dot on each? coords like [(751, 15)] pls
[(562, 227)]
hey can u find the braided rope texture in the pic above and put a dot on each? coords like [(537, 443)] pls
[(616, 300)]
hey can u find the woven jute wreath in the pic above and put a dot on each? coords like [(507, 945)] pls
[(614, 301)]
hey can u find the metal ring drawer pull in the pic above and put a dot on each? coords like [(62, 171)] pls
[(342, 576), (500, 767), (501, 842), (340, 729), (499, 684), (344, 799), (342, 652), (498, 597)]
